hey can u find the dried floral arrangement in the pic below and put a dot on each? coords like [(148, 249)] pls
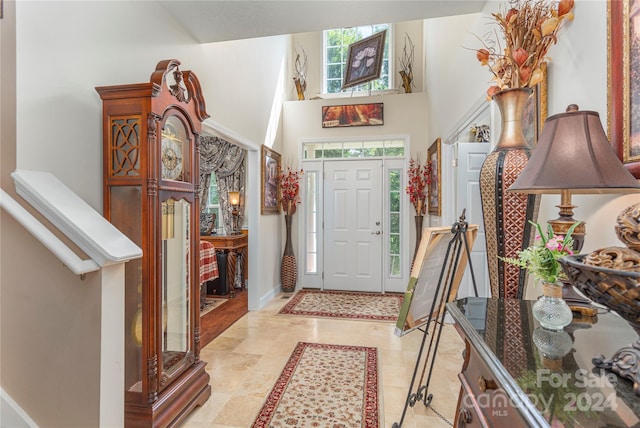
[(289, 181), (418, 186), (529, 28)]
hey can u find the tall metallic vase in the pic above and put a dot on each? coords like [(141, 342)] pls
[(506, 214)]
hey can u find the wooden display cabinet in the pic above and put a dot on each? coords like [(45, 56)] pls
[(151, 181)]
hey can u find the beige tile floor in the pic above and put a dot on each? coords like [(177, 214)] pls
[(246, 360)]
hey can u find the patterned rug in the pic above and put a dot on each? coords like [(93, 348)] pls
[(324, 386), (210, 303), (345, 304)]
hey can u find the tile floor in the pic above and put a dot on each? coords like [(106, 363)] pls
[(246, 360)]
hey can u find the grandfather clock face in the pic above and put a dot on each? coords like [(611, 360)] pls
[(174, 147)]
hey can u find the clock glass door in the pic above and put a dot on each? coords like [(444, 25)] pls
[(176, 257)]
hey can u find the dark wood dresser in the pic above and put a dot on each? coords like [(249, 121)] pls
[(516, 374), (234, 245)]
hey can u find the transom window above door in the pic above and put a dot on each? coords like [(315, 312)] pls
[(336, 48), (353, 149)]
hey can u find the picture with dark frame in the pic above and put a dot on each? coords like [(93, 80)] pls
[(364, 60), (270, 168), (624, 82)]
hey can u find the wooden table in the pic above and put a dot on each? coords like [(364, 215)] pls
[(232, 245)]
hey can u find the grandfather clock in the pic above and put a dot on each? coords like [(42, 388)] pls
[(150, 187)]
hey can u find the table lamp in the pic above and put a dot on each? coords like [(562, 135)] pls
[(234, 201), (573, 156)]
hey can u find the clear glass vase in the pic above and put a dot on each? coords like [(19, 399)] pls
[(551, 310)]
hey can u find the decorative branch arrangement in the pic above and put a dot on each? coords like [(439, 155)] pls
[(406, 64), (418, 186), (300, 74), (290, 189)]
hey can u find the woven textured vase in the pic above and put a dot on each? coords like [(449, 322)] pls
[(506, 214), (288, 267)]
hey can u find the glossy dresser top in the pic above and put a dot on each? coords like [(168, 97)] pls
[(551, 371)]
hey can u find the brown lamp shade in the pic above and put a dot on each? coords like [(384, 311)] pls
[(573, 153)]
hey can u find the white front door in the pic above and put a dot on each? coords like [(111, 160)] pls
[(353, 225), (470, 159)]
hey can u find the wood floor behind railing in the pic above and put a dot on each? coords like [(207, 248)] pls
[(219, 319)]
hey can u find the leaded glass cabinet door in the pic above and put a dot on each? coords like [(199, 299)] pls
[(150, 136)]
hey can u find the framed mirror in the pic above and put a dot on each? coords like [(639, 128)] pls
[(176, 261)]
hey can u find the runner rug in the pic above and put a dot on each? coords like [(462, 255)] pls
[(324, 386), (345, 304)]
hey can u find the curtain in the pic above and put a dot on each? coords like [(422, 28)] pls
[(228, 161)]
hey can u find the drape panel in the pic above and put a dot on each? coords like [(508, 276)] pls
[(228, 161)]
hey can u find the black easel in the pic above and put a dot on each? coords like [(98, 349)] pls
[(445, 282)]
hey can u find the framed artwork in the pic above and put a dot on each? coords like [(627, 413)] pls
[(353, 115), (271, 164), (424, 297), (434, 196), (364, 60), (624, 81), (535, 111)]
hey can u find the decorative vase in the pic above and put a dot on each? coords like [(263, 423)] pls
[(419, 219), (288, 267), (301, 87), (506, 214), (551, 310), (406, 81)]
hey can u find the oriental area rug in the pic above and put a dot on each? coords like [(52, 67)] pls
[(345, 304), (324, 386)]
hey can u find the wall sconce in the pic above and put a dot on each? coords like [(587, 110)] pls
[(234, 201)]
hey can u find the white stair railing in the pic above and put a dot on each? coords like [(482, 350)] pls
[(46, 237), (108, 249)]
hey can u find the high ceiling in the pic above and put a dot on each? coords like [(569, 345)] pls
[(216, 21)]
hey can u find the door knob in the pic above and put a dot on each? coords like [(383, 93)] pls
[(376, 233)]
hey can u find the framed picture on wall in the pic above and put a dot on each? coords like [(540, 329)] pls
[(535, 111), (353, 115), (624, 81), (364, 60), (434, 192), (270, 168)]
